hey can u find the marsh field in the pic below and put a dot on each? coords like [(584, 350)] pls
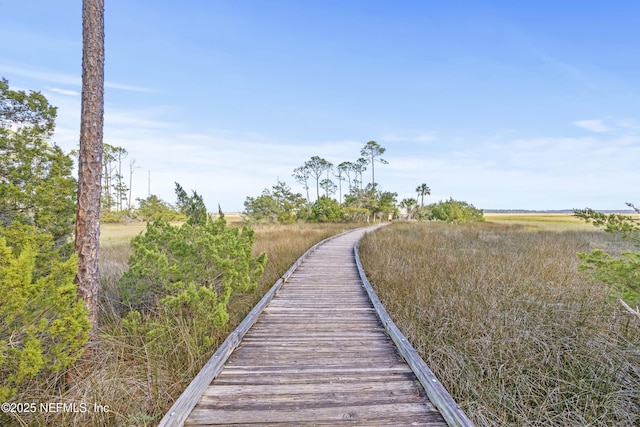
[(502, 315), (498, 310)]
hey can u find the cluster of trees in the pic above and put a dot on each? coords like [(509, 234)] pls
[(355, 201), (43, 326), (359, 203), (116, 194), (322, 171)]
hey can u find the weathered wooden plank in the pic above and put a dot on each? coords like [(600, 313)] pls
[(304, 346), (315, 378), (300, 398), (428, 420), (396, 386), (266, 370), (294, 415), (346, 321)]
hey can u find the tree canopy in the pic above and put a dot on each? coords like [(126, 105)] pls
[(372, 151), (36, 185)]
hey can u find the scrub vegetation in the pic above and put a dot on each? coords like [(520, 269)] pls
[(138, 372)]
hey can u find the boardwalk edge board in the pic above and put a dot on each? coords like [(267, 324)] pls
[(182, 407), (439, 396)]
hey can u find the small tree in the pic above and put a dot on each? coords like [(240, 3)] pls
[(36, 185), (130, 189), (108, 171), (302, 174), (43, 326), (409, 204), (387, 204), (344, 171), (119, 187), (192, 207), (372, 151), (316, 166), (153, 209), (363, 203), (329, 187), (290, 204), (170, 264), (263, 208), (359, 167), (326, 210), (279, 204), (621, 273)]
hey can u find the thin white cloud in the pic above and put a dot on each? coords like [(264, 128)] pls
[(422, 138), (126, 87), (66, 92), (66, 79), (47, 76), (570, 71), (596, 126)]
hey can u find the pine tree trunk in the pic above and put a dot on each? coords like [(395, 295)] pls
[(90, 160)]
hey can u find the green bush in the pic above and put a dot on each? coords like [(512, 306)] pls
[(622, 273), (278, 204), (326, 210), (117, 217), (456, 211), (262, 209), (154, 208), (43, 325), (180, 281), (167, 260)]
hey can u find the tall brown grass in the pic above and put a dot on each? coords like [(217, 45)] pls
[(503, 317), (136, 379)]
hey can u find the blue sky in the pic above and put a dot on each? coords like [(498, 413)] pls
[(501, 104)]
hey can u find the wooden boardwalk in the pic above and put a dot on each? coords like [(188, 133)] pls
[(316, 354)]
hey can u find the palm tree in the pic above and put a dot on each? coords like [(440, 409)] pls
[(423, 190), (409, 204)]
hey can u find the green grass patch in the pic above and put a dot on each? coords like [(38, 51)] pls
[(540, 221)]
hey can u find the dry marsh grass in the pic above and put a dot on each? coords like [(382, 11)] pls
[(505, 320), (139, 380)]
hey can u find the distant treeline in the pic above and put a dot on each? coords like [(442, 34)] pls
[(552, 211)]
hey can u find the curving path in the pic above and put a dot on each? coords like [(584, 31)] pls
[(317, 354)]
